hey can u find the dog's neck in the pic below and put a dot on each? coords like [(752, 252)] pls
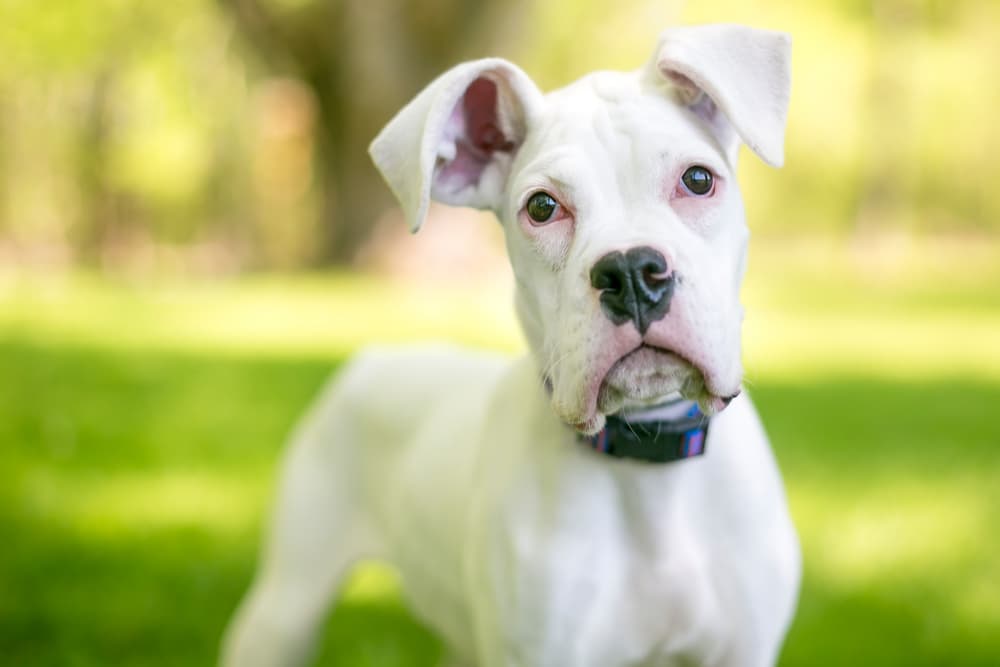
[(672, 430)]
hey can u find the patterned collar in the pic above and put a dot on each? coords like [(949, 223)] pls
[(668, 432)]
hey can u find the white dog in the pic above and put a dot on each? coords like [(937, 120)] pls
[(537, 510)]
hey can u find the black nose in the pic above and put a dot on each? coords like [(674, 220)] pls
[(634, 286)]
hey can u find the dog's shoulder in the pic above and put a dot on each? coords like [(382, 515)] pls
[(393, 383)]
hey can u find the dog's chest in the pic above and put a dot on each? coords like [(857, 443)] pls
[(585, 566)]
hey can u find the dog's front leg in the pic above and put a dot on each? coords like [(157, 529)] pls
[(312, 543), (533, 612), (530, 585)]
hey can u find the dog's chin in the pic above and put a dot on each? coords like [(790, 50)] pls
[(644, 377), (647, 376)]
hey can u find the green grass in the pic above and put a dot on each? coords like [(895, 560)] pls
[(140, 428)]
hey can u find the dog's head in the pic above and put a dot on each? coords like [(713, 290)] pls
[(623, 219)]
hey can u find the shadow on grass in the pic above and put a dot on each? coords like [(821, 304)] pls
[(133, 486)]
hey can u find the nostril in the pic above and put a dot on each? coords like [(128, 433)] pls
[(609, 274), (652, 275), (650, 263), (608, 280)]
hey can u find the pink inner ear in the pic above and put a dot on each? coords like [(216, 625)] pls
[(475, 127), (481, 122)]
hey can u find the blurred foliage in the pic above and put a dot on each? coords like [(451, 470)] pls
[(137, 462), (217, 135)]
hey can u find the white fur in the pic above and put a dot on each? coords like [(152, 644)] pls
[(516, 543)]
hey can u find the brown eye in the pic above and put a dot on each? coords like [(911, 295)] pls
[(698, 180), (541, 207)]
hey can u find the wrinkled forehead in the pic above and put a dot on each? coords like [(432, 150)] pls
[(615, 122)]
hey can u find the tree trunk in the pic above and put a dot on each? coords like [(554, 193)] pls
[(363, 61), (97, 210)]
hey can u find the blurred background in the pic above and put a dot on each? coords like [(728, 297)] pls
[(192, 238)]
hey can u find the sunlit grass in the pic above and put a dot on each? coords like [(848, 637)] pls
[(896, 532), (112, 504), (271, 316), (141, 426), (890, 305)]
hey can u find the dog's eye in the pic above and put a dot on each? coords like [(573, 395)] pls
[(698, 180), (541, 207)]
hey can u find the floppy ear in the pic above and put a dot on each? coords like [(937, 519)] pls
[(456, 140), (736, 79)]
